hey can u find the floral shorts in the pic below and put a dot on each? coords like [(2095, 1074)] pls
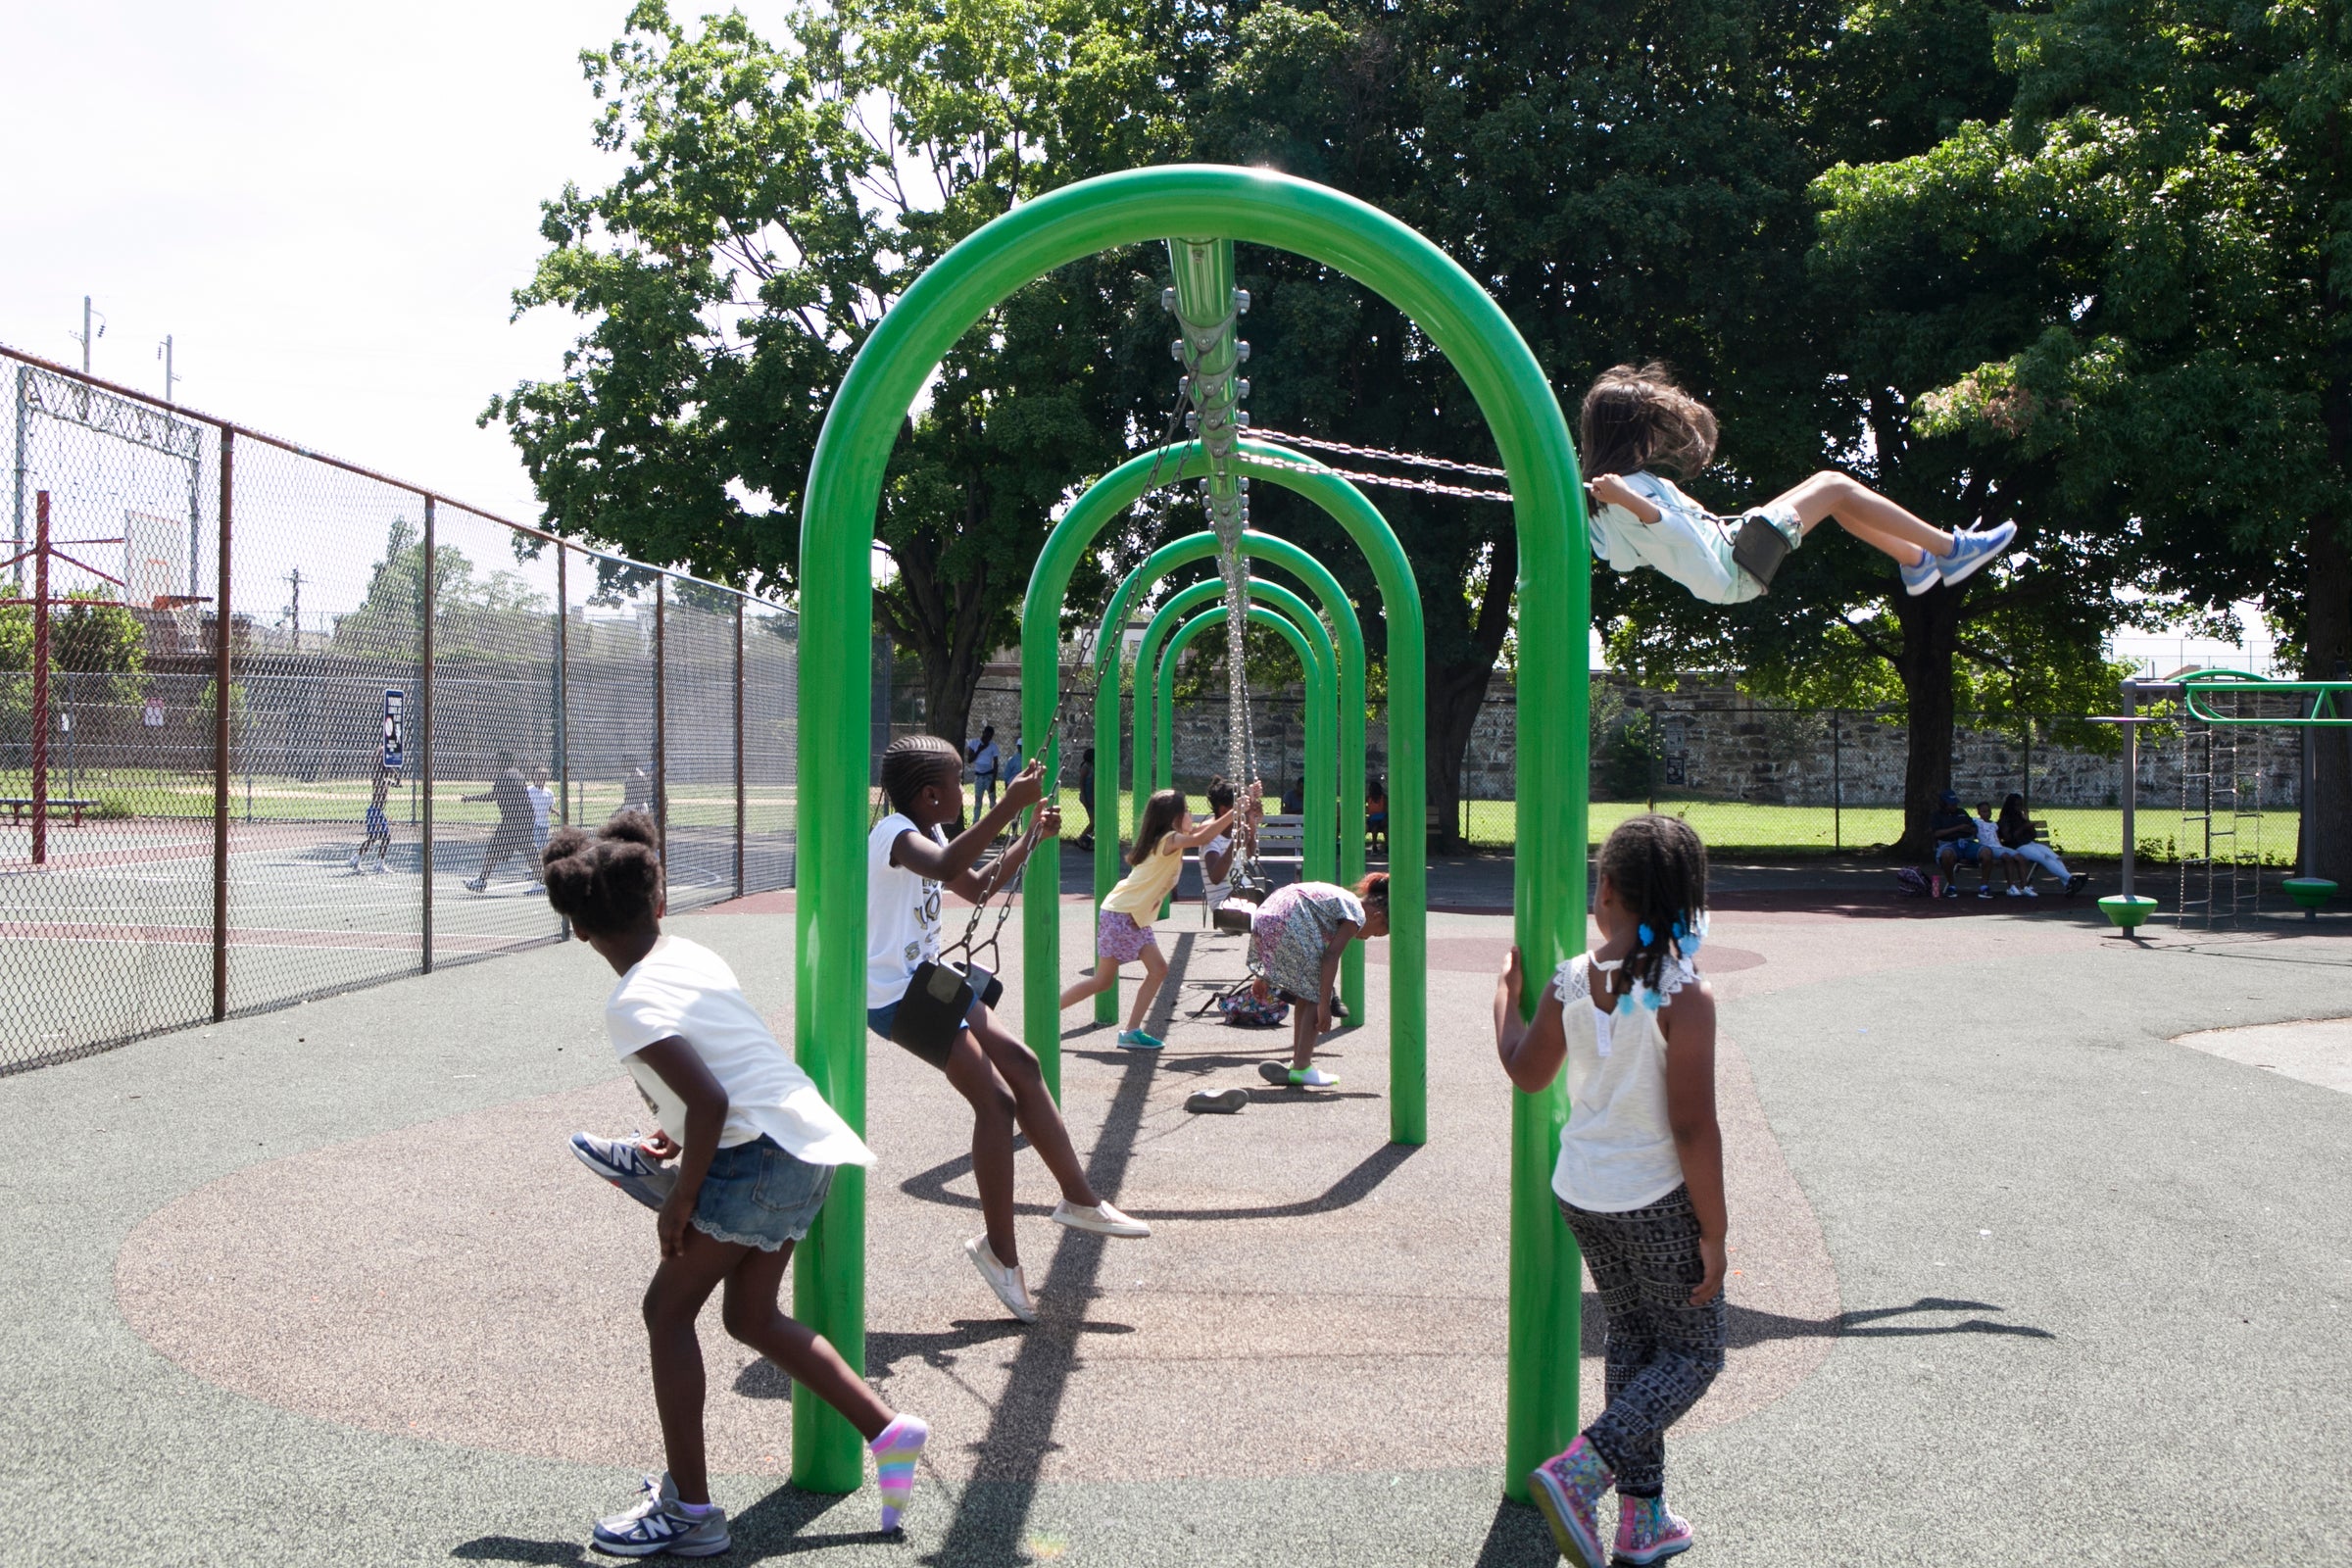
[(1118, 938), (758, 1195)]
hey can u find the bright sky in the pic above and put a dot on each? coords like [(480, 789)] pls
[(325, 206)]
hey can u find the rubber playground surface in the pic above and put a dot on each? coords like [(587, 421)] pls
[(2019, 1276)]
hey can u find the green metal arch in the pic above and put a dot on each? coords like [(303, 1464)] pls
[(1401, 610), (837, 529), (1322, 686)]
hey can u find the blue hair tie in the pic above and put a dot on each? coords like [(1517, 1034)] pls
[(1648, 937)]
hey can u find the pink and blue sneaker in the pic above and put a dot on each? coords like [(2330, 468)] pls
[(1568, 1489), (895, 1451), (1647, 1531)]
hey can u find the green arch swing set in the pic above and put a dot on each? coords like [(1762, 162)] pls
[(1222, 206)]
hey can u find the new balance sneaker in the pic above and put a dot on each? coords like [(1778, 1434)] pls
[(627, 1167), (1567, 1488), (1274, 1072), (1984, 890), (1010, 1288), (1216, 1101), (1137, 1040), (894, 1452), (661, 1523), (1922, 574), (1972, 547), (1647, 1531), (1101, 1219)]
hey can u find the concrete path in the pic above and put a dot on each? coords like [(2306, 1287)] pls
[(2020, 1279)]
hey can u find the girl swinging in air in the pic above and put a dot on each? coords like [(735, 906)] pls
[(756, 1146), (1123, 928), (1639, 1178), (1636, 422)]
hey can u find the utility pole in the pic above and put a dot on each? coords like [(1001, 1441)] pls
[(88, 334), (294, 610), (163, 353)]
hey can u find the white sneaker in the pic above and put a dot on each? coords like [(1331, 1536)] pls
[(1010, 1288), (354, 861), (2017, 892), (1101, 1219), (2030, 892)]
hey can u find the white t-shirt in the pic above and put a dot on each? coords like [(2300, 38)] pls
[(1617, 1151), (902, 914), (1989, 834), (682, 990), (984, 759), (1217, 889), (543, 801)]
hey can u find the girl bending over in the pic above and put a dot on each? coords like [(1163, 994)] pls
[(1295, 939)]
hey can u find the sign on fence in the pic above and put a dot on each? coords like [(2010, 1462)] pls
[(395, 728)]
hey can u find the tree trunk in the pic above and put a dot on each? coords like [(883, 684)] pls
[(1931, 625), (946, 624), (1457, 691), (2326, 652)]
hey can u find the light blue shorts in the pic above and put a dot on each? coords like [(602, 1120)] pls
[(758, 1195)]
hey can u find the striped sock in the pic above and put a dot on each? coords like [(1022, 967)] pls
[(895, 1453)]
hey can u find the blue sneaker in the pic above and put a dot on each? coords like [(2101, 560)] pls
[(1137, 1040), (1972, 547), (660, 1525), (626, 1166), (1925, 574)]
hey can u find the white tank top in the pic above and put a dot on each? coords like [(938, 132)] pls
[(1617, 1151)]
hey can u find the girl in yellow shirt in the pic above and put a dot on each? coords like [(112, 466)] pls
[(1124, 929)]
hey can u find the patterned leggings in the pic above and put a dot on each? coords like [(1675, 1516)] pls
[(1662, 1352)]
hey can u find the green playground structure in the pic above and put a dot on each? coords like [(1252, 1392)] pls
[(1401, 610), (2329, 706), (1209, 208), (1350, 740)]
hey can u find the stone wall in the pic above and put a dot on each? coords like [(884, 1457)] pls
[(1718, 744)]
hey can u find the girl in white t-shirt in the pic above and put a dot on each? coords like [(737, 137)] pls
[(1636, 426), (910, 859), (1221, 857), (757, 1149), (1639, 1175)]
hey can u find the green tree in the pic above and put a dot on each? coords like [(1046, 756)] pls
[(495, 614), (88, 635), (2156, 242), (1630, 184), (778, 198)]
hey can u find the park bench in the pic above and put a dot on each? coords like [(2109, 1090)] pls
[(2041, 832), (18, 804), (1434, 825)]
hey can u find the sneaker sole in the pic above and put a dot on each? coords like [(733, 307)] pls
[(981, 1268), (1129, 1232), (1581, 1550), (1275, 1073), (1141, 1044), (1643, 1559), (701, 1549), (1224, 1103), (1913, 592)]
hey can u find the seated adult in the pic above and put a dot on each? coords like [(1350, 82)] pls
[(2025, 842), (1293, 799), (1953, 834), (1994, 856), (1376, 807)]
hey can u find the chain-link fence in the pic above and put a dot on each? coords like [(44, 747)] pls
[(353, 782)]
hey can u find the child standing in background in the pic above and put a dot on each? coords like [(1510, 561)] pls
[(543, 805), (1123, 927), (1639, 1175)]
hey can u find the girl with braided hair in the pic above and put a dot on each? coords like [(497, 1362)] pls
[(756, 1146), (910, 859), (1640, 1174)]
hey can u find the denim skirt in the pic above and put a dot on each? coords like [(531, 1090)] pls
[(758, 1195)]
